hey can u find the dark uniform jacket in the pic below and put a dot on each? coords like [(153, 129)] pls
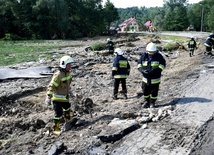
[(121, 67), (208, 42), (154, 65), (192, 44), (212, 38), (110, 45)]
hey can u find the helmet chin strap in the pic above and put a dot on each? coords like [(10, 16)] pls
[(151, 53)]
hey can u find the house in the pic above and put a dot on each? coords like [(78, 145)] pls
[(129, 25)]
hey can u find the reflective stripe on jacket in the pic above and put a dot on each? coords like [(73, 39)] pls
[(208, 42), (154, 65), (60, 86), (56, 97), (192, 44), (121, 67)]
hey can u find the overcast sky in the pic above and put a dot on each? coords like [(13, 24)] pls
[(139, 3)]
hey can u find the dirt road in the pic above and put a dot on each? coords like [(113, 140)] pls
[(189, 34)]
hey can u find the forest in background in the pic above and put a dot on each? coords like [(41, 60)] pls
[(72, 19), (175, 15)]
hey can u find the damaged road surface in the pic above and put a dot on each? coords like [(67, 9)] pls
[(181, 124), (183, 129)]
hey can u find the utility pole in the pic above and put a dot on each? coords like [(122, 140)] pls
[(202, 17)]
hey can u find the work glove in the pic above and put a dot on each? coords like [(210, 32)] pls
[(48, 100), (145, 71)]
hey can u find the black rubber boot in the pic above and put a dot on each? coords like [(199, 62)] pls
[(146, 103), (152, 104), (192, 53), (115, 96), (125, 95), (211, 54)]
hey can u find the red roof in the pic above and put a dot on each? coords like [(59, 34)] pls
[(127, 22)]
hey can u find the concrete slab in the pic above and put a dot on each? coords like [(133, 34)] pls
[(32, 72)]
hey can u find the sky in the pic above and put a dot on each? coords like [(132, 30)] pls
[(139, 3)]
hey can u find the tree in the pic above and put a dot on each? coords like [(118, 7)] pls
[(159, 19), (6, 18), (25, 18), (44, 19), (110, 13), (176, 15), (194, 16), (210, 19)]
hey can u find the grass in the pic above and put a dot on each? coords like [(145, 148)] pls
[(13, 52), (178, 39)]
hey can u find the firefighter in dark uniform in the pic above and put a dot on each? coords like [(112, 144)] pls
[(110, 46), (120, 71), (151, 64), (58, 90), (192, 46), (209, 45)]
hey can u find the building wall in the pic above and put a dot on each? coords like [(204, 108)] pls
[(133, 27)]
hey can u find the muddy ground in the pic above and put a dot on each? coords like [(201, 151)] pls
[(26, 121)]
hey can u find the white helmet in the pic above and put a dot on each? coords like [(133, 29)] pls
[(65, 60), (108, 39), (118, 51), (151, 47)]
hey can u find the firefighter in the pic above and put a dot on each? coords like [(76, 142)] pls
[(192, 46), (211, 36), (120, 71), (110, 46), (151, 64), (57, 92), (209, 45)]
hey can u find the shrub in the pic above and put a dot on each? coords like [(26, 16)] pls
[(171, 46), (9, 36), (98, 46), (131, 37)]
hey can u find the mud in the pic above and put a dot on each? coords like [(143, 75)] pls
[(26, 122)]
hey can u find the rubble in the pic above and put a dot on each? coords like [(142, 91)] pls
[(107, 126)]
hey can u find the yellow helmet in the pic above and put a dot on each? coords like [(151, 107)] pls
[(65, 60)]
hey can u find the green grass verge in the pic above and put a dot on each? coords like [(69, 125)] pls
[(178, 39), (13, 52)]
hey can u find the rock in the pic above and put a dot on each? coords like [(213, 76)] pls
[(117, 129)]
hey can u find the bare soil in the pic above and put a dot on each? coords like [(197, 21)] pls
[(26, 121)]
